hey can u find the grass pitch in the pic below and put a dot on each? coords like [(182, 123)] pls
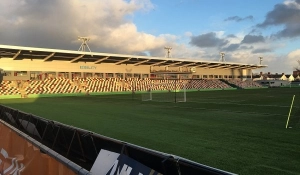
[(241, 131)]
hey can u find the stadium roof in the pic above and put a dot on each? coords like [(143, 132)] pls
[(19, 53)]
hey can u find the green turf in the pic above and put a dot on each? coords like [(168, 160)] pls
[(241, 131)]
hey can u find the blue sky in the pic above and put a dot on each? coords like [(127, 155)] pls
[(195, 29), (199, 16)]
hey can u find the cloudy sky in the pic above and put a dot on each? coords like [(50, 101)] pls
[(195, 29)]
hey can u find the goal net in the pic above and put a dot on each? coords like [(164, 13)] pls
[(172, 91)]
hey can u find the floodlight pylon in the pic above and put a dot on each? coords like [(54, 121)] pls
[(260, 60), (84, 44), (222, 58), (168, 52)]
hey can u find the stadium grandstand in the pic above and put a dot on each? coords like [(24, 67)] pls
[(29, 71), (31, 144)]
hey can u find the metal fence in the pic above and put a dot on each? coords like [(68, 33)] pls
[(82, 147)]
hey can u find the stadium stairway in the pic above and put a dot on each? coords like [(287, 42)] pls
[(230, 84), (242, 84)]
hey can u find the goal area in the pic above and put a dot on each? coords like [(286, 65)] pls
[(172, 91)]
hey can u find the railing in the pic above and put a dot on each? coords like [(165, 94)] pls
[(82, 147)]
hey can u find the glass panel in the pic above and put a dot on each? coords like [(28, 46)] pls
[(119, 75), (109, 75), (20, 73), (87, 75), (7, 73), (128, 75), (196, 76), (35, 75), (63, 74), (76, 75), (50, 74), (145, 76), (98, 75), (137, 75)]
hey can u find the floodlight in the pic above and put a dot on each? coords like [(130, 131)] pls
[(84, 43), (168, 52), (222, 58), (260, 60)]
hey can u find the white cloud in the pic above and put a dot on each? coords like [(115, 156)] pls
[(293, 57), (109, 24), (291, 4), (57, 24), (220, 34), (239, 37), (188, 34), (128, 39), (294, 54)]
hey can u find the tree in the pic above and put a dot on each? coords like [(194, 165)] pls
[(297, 69)]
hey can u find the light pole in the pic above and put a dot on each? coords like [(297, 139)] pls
[(222, 58), (168, 52), (84, 44), (260, 60)]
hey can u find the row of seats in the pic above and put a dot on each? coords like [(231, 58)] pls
[(51, 86), (244, 84), (9, 88), (84, 85), (133, 84), (207, 84)]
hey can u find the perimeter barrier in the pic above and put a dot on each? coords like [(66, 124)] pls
[(78, 148)]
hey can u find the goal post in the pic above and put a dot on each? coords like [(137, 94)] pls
[(147, 96), (166, 91), (180, 92)]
